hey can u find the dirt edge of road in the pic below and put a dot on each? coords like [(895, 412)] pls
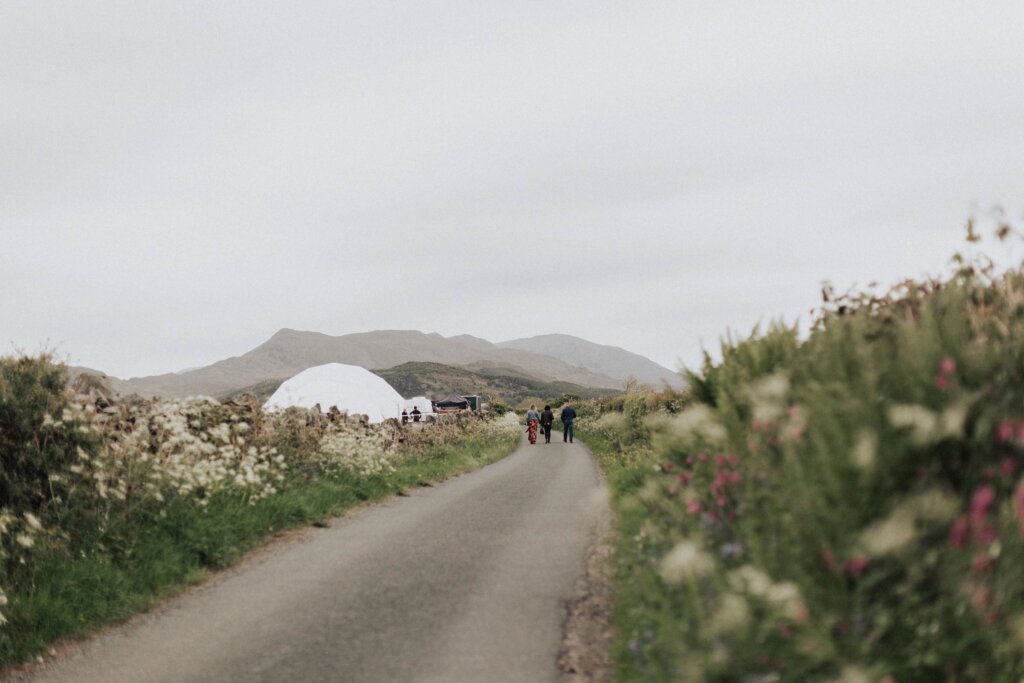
[(587, 633)]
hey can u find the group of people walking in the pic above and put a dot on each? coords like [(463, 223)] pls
[(544, 420)]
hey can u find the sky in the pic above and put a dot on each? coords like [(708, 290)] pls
[(180, 180)]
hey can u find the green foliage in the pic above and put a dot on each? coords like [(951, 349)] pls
[(109, 509), (31, 394), (847, 507)]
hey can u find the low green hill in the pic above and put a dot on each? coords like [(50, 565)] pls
[(509, 385)]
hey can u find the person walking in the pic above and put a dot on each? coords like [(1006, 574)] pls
[(547, 418), (568, 417), (532, 420)]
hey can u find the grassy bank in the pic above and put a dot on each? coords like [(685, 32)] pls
[(843, 507), (104, 532)]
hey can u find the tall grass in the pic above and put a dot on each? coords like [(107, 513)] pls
[(105, 510), (844, 507)]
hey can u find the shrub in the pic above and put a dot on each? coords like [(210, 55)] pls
[(845, 507)]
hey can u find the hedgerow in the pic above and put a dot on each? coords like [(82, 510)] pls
[(848, 506), (106, 504)]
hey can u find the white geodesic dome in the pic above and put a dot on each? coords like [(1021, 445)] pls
[(349, 387)]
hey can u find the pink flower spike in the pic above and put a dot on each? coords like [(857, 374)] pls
[(693, 507), (1007, 467), (942, 382), (856, 566), (947, 366), (982, 501), (1004, 431), (958, 533)]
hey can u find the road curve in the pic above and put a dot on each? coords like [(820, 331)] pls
[(463, 582)]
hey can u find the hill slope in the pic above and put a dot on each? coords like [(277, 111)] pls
[(291, 351), (436, 380), (600, 358)]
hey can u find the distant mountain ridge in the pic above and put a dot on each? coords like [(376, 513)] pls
[(288, 352), (599, 358)]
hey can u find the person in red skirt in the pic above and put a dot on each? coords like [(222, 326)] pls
[(532, 421)]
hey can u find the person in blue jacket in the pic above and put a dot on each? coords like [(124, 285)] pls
[(568, 417)]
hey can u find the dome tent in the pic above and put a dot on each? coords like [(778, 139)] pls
[(349, 387)]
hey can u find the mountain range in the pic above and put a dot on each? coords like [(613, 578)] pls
[(550, 358)]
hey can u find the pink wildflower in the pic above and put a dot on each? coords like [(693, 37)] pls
[(982, 501), (1007, 467), (942, 382), (947, 366), (689, 461), (980, 598), (719, 460), (1004, 432), (713, 514), (721, 501), (672, 490), (980, 563), (958, 533), (694, 507), (856, 566), (667, 467)]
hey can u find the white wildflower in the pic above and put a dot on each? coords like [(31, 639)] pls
[(865, 450), (698, 421), (685, 562), (852, 674), (732, 615), (24, 540), (933, 505), (787, 599), (750, 579), (922, 423), (889, 535), (768, 396), (33, 521)]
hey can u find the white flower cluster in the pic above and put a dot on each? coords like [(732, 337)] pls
[(24, 530), (507, 424), (173, 449), (360, 452)]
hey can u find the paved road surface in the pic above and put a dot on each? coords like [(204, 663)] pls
[(462, 582)]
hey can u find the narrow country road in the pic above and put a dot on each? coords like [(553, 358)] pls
[(463, 582)]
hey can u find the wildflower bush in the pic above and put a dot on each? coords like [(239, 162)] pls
[(105, 505), (845, 507)]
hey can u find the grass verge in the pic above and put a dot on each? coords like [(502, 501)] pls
[(128, 570)]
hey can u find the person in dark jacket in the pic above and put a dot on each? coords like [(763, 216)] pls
[(416, 414), (547, 418), (568, 417)]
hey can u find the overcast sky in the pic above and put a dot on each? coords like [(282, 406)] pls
[(178, 181)]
